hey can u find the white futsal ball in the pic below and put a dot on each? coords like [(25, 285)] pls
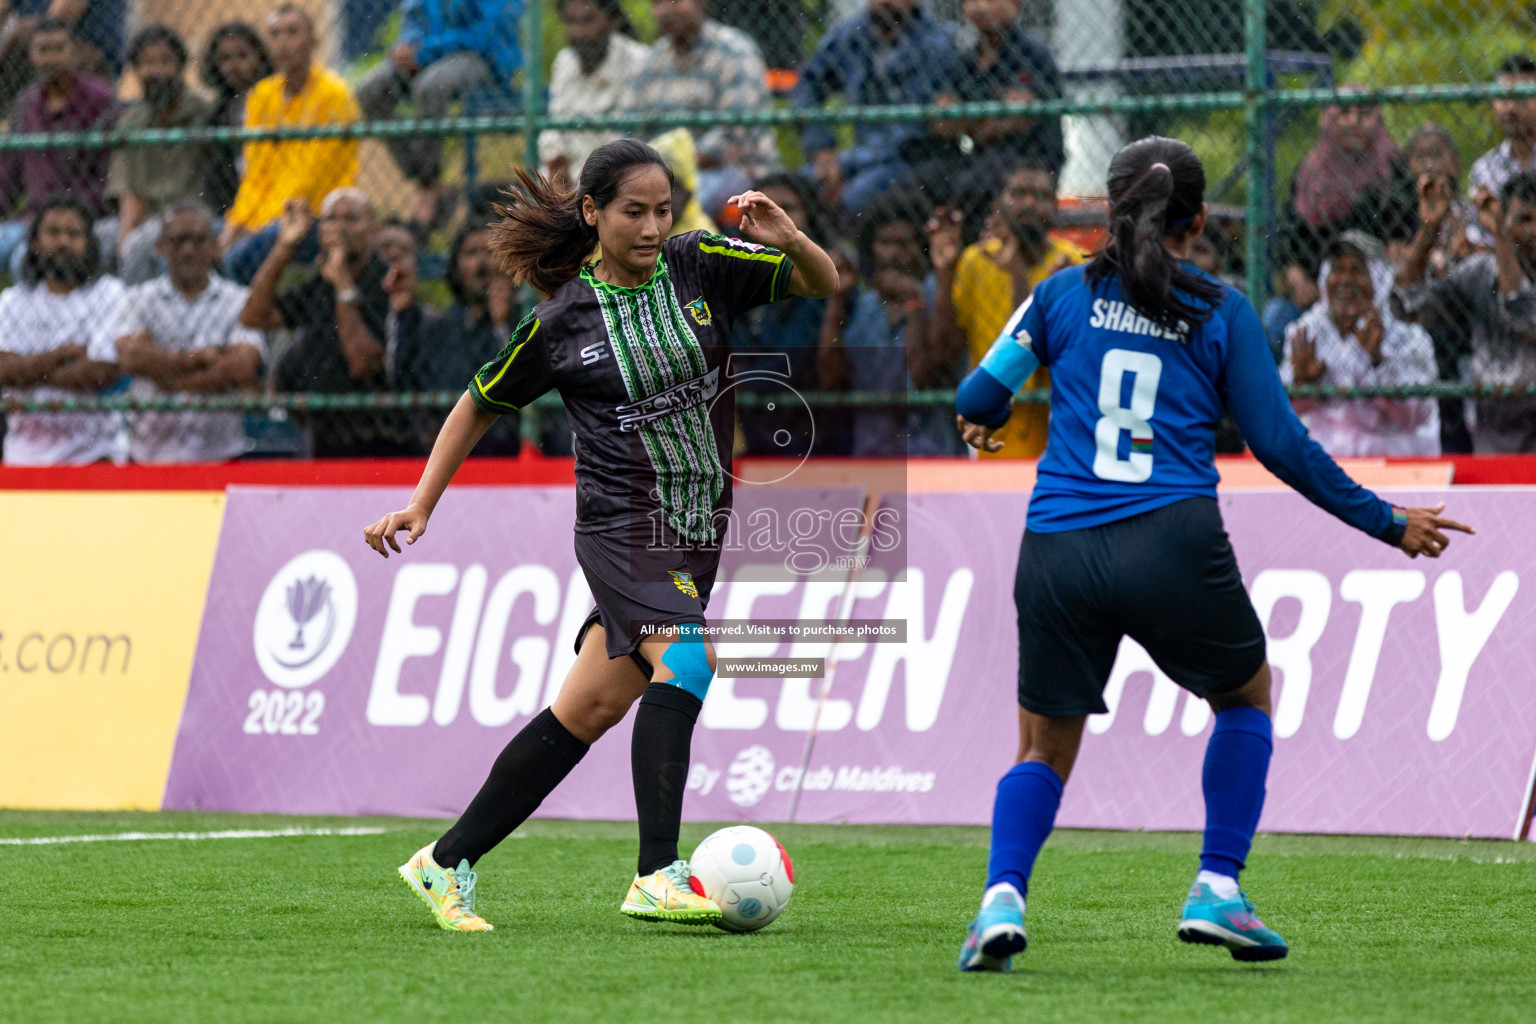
[(746, 872)]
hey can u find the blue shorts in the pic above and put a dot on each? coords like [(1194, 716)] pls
[(1166, 578)]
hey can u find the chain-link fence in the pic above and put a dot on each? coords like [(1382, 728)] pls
[(260, 230)]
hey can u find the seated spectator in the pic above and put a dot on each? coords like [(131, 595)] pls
[(676, 147), (789, 331), (1516, 118), (592, 75), (143, 179), (234, 60), (57, 329), (61, 100), (395, 243), (1352, 179), (980, 287), (440, 350), (892, 53), (1432, 157), (700, 64), (337, 316), (98, 27), (1485, 306), (1001, 61), (875, 336), (1350, 338), (181, 334), (278, 171), (446, 49)]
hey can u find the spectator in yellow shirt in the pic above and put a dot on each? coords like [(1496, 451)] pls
[(979, 286), (299, 93)]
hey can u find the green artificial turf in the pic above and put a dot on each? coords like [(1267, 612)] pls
[(320, 928)]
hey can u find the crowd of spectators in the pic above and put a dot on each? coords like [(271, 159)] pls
[(179, 268)]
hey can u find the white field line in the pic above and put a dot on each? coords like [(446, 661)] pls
[(234, 833)]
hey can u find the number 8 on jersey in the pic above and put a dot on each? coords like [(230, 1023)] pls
[(1118, 416)]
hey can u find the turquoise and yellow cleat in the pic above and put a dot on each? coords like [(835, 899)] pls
[(668, 895), (996, 934), (1210, 920), (450, 894)]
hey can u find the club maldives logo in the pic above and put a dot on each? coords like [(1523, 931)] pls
[(305, 618), (750, 776)]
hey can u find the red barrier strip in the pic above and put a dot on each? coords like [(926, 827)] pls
[(525, 470)]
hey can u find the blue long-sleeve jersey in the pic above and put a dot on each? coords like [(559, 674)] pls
[(1134, 408)]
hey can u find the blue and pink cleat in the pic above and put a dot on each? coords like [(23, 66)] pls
[(1212, 921), (995, 935)]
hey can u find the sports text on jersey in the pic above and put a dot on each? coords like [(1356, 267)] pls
[(675, 399), (1114, 315)]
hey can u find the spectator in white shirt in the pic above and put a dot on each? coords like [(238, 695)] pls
[(592, 75), (56, 334), (1517, 153), (180, 333), (1351, 338)]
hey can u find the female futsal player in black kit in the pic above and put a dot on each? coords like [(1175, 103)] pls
[(634, 343)]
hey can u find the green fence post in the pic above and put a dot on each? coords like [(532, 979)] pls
[(533, 80), (1255, 108)]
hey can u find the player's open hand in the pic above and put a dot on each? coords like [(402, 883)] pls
[(763, 218), (978, 436), (1423, 535), (412, 518)]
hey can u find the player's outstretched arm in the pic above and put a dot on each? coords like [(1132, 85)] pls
[(1280, 441), (1422, 531), (466, 424), (815, 275)]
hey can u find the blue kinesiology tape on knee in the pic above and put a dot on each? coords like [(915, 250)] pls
[(688, 661)]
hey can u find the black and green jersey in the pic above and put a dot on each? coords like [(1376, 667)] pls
[(644, 377)]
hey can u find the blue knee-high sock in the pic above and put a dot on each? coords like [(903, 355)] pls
[(1236, 763), (1022, 819)]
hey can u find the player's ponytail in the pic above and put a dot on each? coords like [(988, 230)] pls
[(542, 237), (1156, 189)]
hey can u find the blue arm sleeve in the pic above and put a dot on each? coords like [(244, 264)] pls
[(984, 396), (1263, 412), (983, 399)]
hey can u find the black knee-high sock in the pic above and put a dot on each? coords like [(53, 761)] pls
[(526, 771), (659, 760)]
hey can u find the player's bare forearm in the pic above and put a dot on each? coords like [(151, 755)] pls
[(815, 275), (466, 424)]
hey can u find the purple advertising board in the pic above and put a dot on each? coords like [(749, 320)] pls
[(328, 680)]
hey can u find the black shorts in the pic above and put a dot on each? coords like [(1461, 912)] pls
[(1166, 578), (635, 587)]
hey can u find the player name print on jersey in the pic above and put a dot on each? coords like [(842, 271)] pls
[(1114, 315)]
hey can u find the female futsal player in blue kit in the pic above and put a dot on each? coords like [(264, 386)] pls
[(1124, 536)]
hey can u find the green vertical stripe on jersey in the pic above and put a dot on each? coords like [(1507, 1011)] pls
[(655, 350)]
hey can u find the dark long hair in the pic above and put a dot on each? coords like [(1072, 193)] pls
[(613, 10), (31, 272), (1156, 188), (542, 238), (213, 78)]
